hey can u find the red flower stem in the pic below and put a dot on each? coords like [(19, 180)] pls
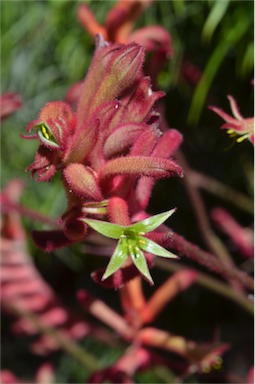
[(174, 285), (213, 242), (104, 313), (189, 349), (8, 206), (211, 262), (132, 301)]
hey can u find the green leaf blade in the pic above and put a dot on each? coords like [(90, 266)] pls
[(214, 19)]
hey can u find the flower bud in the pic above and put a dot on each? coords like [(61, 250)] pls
[(114, 68)]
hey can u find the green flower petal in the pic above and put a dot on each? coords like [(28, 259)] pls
[(151, 223), (111, 230), (140, 263), (151, 247), (119, 256)]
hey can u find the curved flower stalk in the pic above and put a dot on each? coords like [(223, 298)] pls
[(107, 146), (237, 126), (241, 237)]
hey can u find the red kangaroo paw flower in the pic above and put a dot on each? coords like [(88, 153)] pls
[(167, 144), (88, 21), (56, 111), (146, 141), (153, 38), (121, 139), (138, 106), (237, 126), (9, 103), (73, 93), (118, 211), (140, 166), (114, 68), (121, 18), (118, 279), (82, 181), (44, 164), (241, 237), (75, 229), (48, 241)]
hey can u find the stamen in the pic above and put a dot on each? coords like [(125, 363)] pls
[(45, 132), (218, 363), (242, 138)]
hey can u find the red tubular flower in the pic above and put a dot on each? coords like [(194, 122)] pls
[(190, 72), (9, 103), (119, 25), (104, 148), (241, 237), (237, 126), (119, 20)]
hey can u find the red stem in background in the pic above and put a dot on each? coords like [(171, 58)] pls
[(173, 286), (186, 248), (9, 206), (212, 241)]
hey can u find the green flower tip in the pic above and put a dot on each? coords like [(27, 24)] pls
[(132, 242)]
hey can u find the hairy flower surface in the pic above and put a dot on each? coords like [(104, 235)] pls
[(239, 127), (107, 145), (132, 241)]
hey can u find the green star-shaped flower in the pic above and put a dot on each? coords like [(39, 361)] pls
[(132, 242)]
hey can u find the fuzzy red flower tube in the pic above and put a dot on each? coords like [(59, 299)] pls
[(106, 146)]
